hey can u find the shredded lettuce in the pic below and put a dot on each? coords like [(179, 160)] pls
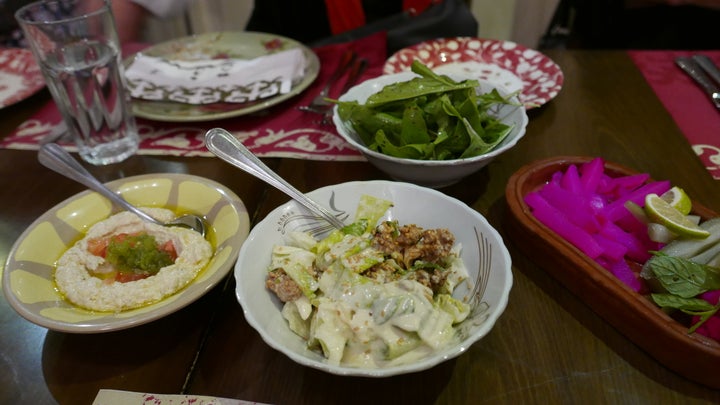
[(359, 320), (297, 263)]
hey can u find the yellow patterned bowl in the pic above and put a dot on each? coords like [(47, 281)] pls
[(28, 274)]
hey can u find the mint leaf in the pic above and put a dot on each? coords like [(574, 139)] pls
[(682, 277), (691, 306), (687, 305)]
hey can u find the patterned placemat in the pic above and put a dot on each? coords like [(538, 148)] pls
[(279, 131), (690, 107)]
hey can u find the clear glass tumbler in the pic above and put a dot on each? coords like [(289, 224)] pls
[(76, 45)]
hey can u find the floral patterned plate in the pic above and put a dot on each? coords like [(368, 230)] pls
[(508, 64), (243, 45), (20, 76)]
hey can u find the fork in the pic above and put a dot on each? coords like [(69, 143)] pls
[(355, 72), (319, 104)]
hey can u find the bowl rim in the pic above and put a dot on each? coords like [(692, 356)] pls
[(422, 364), (407, 76)]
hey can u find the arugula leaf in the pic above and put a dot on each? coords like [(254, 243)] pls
[(431, 117), (428, 83)]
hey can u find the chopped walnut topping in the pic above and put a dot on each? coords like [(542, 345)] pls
[(279, 282)]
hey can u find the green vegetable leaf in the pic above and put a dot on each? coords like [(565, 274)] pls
[(688, 305), (682, 277), (431, 117), (428, 83), (371, 209), (691, 306), (357, 228)]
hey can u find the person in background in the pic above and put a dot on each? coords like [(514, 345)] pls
[(129, 16), (329, 21), (323, 18), (635, 24), (309, 21)]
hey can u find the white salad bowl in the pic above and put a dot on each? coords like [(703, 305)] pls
[(431, 173), (483, 252)]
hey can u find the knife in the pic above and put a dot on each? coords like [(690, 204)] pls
[(693, 69), (708, 66)]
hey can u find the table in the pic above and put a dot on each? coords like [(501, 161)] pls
[(548, 346)]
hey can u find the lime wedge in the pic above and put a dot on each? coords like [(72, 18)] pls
[(678, 199), (660, 211)]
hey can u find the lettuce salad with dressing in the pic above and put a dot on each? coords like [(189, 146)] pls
[(371, 296)]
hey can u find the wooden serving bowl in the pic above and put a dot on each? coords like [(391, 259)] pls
[(692, 355)]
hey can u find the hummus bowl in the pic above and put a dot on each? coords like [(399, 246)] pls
[(483, 253), (28, 276)]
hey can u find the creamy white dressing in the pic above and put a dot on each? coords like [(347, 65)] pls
[(361, 322)]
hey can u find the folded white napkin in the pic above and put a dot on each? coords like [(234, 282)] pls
[(215, 80)]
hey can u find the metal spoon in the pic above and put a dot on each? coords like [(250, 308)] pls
[(228, 148), (56, 158)]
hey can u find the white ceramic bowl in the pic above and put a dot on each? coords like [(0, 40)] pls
[(29, 269), (430, 173), (413, 205)]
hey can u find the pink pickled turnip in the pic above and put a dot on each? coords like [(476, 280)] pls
[(617, 209), (578, 209), (616, 187), (711, 327), (558, 222), (591, 174), (636, 249), (612, 250), (571, 180), (586, 207), (623, 272)]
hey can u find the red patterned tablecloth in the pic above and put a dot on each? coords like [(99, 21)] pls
[(689, 106), (279, 131)]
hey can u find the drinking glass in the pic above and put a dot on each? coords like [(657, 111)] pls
[(76, 45)]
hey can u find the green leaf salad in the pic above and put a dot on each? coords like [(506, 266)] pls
[(431, 117), (371, 296)]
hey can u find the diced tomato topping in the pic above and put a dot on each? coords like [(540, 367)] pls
[(98, 247), (169, 247), (125, 277)]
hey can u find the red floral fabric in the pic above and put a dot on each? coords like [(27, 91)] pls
[(279, 131), (690, 107)]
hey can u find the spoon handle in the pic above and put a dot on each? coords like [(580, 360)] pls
[(54, 157), (227, 147)]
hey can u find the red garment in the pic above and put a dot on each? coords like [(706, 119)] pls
[(345, 15)]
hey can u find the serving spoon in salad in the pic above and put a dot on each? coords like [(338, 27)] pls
[(54, 157), (225, 146)]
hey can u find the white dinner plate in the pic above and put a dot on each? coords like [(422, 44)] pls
[(241, 45)]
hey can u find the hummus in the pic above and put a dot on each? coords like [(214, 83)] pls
[(79, 273)]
